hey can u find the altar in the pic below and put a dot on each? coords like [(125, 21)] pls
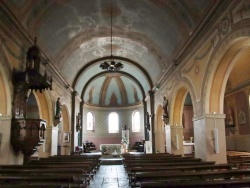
[(188, 147), (110, 148)]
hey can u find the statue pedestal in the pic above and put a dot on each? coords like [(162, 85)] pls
[(165, 119)]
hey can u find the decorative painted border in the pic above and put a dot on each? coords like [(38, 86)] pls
[(5, 117)]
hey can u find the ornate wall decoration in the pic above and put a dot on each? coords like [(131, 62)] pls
[(242, 117), (241, 11), (225, 25), (196, 67)]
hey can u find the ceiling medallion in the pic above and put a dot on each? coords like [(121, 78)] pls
[(111, 65)]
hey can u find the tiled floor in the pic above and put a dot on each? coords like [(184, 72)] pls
[(110, 176)]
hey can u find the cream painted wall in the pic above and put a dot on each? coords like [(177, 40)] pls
[(101, 135)]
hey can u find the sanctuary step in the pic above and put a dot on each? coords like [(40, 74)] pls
[(111, 161)]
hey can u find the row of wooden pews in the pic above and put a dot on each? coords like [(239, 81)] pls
[(166, 170), (239, 159), (57, 171)]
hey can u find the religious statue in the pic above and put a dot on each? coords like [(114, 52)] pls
[(165, 116), (125, 127), (165, 107), (58, 108), (147, 126), (42, 131), (147, 121), (78, 122)]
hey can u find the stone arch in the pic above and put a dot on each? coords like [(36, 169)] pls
[(65, 128), (44, 106), (177, 105), (221, 72), (45, 112), (5, 94), (7, 154), (160, 140)]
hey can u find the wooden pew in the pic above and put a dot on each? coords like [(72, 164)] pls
[(155, 160), (182, 168), (86, 164), (63, 180), (231, 183), (74, 157), (180, 163), (167, 176), (76, 169), (94, 161), (150, 154), (153, 155), (27, 185), (86, 174), (140, 170), (237, 158)]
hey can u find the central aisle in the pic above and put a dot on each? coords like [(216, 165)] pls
[(110, 176)]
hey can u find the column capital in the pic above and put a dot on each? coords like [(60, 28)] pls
[(211, 115)]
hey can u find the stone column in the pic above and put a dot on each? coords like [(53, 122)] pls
[(149, 108), (209, 138), (51, 140), (80, 131), (72, 140), (174, 139)]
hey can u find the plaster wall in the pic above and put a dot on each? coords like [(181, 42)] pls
[(238, 142)]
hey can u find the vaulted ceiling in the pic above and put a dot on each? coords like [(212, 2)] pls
[(75, 35)]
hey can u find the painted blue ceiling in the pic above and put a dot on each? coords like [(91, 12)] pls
[(148, 36)]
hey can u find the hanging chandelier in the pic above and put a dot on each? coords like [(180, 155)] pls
[(111, 65)]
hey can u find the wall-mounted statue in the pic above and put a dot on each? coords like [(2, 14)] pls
[(58, 108), (165, 115), (148, 121), (78, 122), (147, 126), (165, 107)]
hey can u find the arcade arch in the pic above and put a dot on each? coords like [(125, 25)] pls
[(230, 90), (5, 94), (222, 72)]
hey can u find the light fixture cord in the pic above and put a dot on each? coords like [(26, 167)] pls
[(111, 22)]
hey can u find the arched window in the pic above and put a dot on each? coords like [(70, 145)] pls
[(90, 121), (136, 121), (113, 123)]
